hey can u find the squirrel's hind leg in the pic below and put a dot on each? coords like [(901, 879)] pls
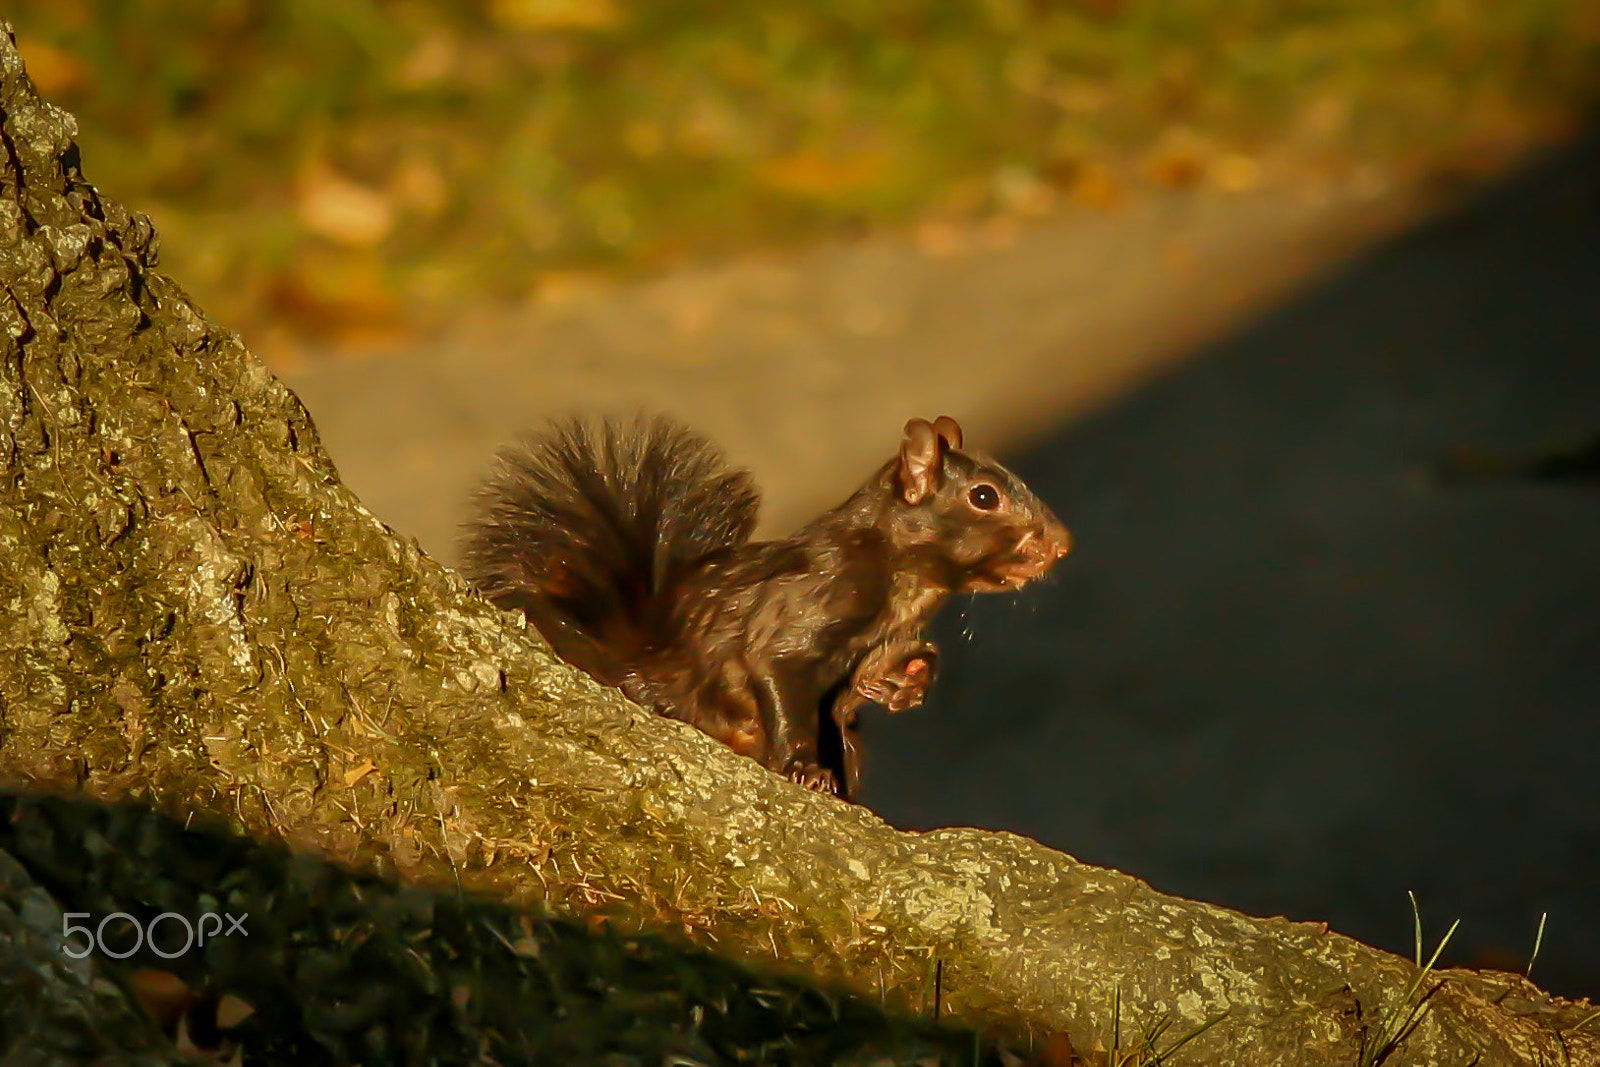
[(788, 698)]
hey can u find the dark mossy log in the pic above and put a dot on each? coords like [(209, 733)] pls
[(197, 613)]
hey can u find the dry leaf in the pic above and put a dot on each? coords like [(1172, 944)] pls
[(333, 293), (555, 14), (418, 184), (939, 239), (182, 1043), (358, 772), (1095, 186), (341, 210), (1236, 173), (163, 995), (815, 174), (232, 1010), (432, 62), (1055, 1052), (54, 72)]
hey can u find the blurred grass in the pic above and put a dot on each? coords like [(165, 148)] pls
[(342, 165)]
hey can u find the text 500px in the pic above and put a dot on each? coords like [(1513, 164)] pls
[(169, 934)]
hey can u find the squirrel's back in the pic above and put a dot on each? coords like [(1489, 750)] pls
[(598, 521)]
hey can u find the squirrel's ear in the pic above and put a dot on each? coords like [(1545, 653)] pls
[(949, 429), (919, 460)]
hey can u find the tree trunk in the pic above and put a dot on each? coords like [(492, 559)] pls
[(197, 612)]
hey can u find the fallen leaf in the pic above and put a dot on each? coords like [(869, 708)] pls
[(54, 72), (1095, 186), (555, 14), (358, 772), (1236, 173), (332, 293), (1055, 1052), (347, 212), (163, 995), (815, 174), (939, 239), (232, 1010), (182, 1043)]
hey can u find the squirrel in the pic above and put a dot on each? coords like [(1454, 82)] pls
[(629, 548)]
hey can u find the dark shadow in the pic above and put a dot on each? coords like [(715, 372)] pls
[(1290, 668)]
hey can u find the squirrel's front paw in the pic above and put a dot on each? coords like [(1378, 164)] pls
[(808, 773), (905, 686)]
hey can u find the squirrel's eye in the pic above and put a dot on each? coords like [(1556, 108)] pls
[(984, 497)]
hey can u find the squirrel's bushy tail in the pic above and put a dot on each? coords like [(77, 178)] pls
[(598, 521)]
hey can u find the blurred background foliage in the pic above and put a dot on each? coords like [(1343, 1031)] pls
[(338, 167)]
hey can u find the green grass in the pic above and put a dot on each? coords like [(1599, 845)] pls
[(1146, 1050), (1400, 1017), (502, 140)]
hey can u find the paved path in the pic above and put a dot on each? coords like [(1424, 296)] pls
[(805, 367), (1285, 669)]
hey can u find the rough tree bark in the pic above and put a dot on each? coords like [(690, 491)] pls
[(193, 610)]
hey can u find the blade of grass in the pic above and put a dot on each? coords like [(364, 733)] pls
[(1538, 940), (1416, 928), (1393, 1027), (1190, 1036)]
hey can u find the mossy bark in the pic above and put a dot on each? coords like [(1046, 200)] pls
[(193, 610)]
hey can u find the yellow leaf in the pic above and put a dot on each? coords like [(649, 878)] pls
[(555, 14), (232, 1010), (355, 774), (52, 70), (815, 174), (332, 206)]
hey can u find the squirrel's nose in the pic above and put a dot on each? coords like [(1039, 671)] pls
[(1059, 538), (1046, 544)]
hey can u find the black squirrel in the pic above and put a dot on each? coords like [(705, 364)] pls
[(628, 547)]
